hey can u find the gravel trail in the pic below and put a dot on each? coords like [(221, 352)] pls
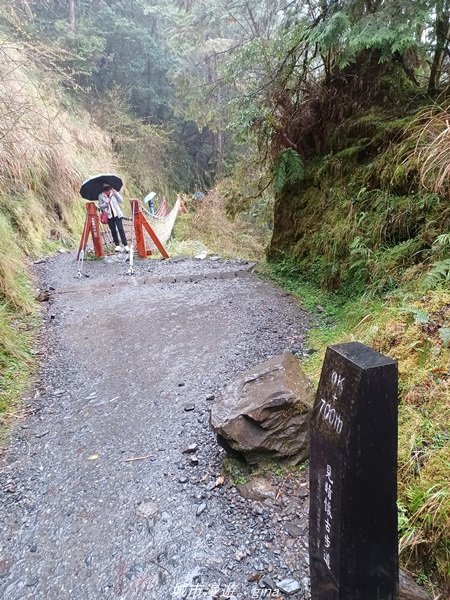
[(97, 498)]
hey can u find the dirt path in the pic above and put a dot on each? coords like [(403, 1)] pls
[(126, 360)]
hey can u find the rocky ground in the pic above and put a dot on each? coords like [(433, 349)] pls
[(113, 485)]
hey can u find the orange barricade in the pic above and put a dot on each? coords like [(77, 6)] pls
[(140, 223), (91, 227)]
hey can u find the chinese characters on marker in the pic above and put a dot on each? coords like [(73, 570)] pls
[(328, 516), (333, 418)]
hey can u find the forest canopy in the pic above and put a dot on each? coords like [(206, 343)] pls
[(218, 73)]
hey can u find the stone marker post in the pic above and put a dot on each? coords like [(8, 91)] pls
[(353, 477)]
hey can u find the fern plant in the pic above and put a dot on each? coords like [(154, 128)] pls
[(350, 31), (439, 274), (421, 317), (288, 169), (442, 241)]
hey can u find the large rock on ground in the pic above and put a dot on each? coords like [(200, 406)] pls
[(409, 590), (264, 414)]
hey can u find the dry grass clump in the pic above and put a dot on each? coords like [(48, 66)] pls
[(45, 153), (41, 143), (208, 222), (431, 129)]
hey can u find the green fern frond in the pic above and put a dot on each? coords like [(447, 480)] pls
[(332, 31), (440, 273), (288, 169), (442, 240), (420, 316)]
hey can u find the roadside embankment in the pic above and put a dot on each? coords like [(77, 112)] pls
[(47, 145)]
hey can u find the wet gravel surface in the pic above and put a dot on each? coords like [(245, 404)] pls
[(98, 499)]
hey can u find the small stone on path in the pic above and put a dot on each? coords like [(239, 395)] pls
[(147, 510), (191, 449), (267, 582), (289, 586), (257, 489), (293, 530)]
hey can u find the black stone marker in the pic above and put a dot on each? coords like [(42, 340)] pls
[(353, 477)]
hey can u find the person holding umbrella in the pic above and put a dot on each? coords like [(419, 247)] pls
[(109, 202), (104, 189)]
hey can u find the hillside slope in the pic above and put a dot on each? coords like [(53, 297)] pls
[(47, 146)]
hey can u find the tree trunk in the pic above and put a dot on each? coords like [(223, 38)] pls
[(219, 137), (442, 32), (72, 15)]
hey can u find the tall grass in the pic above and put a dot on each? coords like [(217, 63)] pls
[(45, 152), (146, 151), (431, 132)]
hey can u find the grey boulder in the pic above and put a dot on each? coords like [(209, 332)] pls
[(264, 414), (409, 590)]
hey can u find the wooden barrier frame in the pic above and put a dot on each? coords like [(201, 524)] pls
[(91, 227), (140, 223)]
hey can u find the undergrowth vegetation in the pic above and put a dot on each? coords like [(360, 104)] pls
[(368, 226), (208, 223), (146, 151), (360, 219)]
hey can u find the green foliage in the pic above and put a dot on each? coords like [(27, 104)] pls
[(442, 241), (16, 361), (121, 48), (333, 31), (288, 170), (147, 151), (420, 316), (355, 222), (109, 44), (408, 331), (444, 334), (439, 274), (238, 471), (391, 29)]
